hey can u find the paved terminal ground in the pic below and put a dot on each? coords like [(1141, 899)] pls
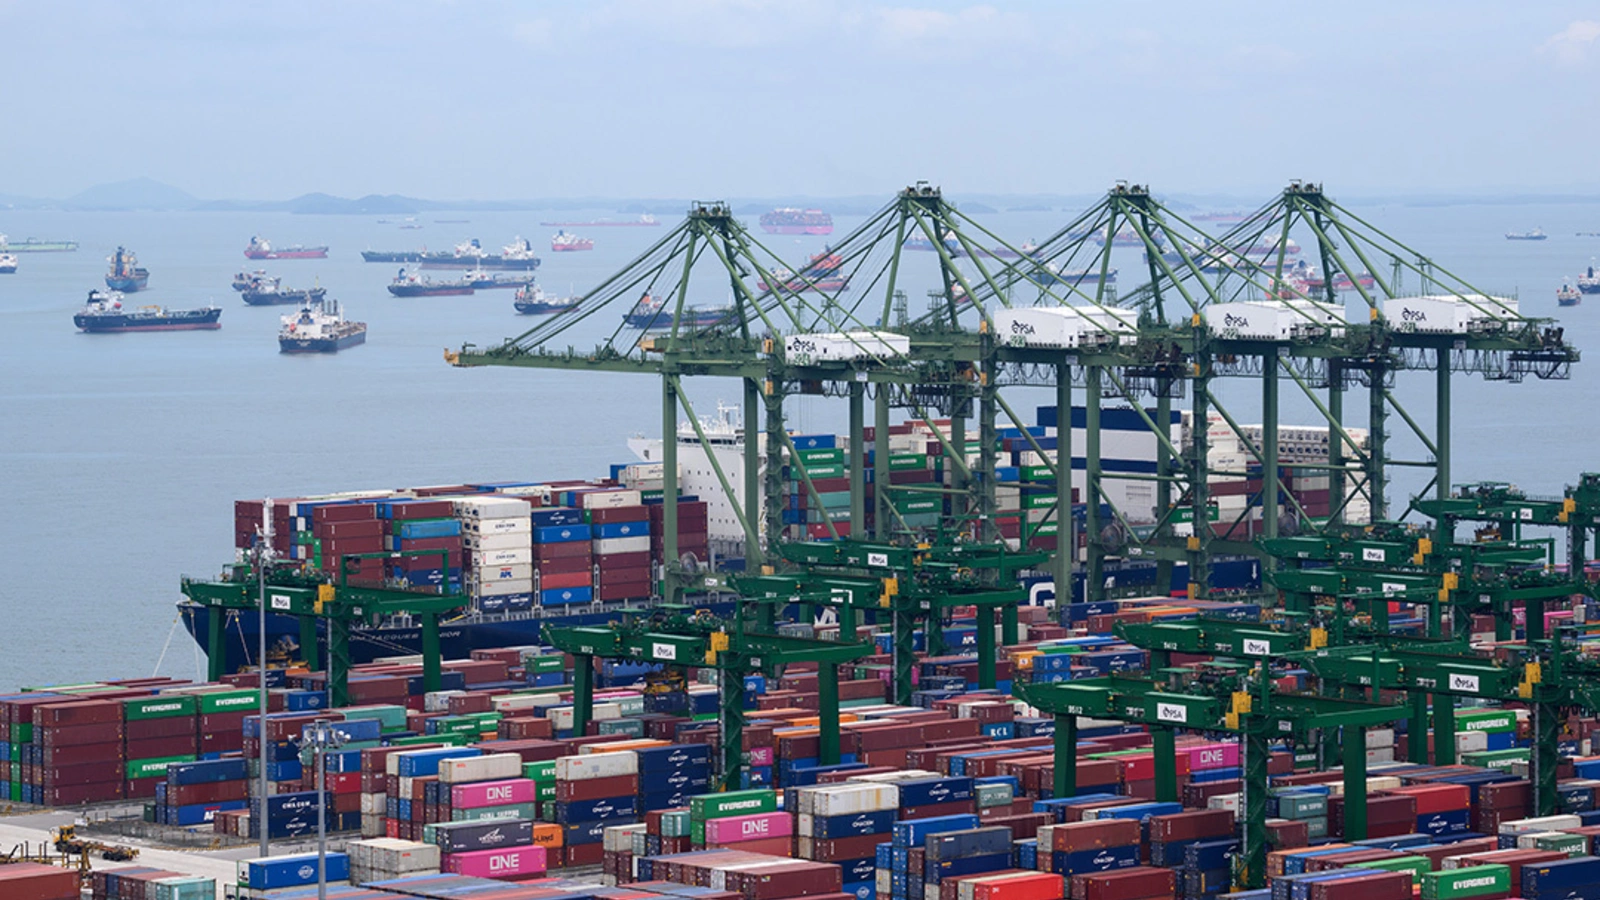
[(34, 829)]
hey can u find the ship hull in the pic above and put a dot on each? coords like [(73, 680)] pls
[(797, 229), (488, 262), (8, 269), (411, 290), (315, 253), (384, 256), (574, 249), (542, 309), (663, 320), (1573, 302), (490, 284), (41, 247), (201, 320), (283, 298), (458, 639), (128, 284), (1589, 288), (321, 345)]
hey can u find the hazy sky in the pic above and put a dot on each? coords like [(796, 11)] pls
[(718, 98)]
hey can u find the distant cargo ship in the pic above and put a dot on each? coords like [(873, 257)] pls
[(822, 271), (1588, 283), (34, 245), (652, 314), (565, 242), (320, 328), (126, 275), (1567, 295), (488, 281), (413, 284), (644, 221), (268, 291), (260, 248), (790, 220), (104, 313), (518, 254), (533, 301), (1535, 235)]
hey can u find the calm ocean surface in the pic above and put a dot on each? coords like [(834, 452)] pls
[(121, 455)]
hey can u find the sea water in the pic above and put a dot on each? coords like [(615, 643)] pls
[(121, 455)]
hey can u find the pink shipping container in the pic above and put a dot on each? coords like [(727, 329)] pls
[(493, 793), (760, 756), (513, 862), (1213, 756), (749, 828)]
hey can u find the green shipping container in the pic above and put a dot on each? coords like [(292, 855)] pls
[(1038, 474), (544, 663), (625, 727), (676, 823), (1038, 501), (1477, 881), (1492, 720), (22, 733), (1495, 759), (826, 456), (1418, 866), (153, 768), (907, 462), (167, 707), (1573, 845), (390, 717), (919, 505), (543, 772), (821, 471), (732, 803), (229, 701)]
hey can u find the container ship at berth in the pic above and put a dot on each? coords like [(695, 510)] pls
[(259, 248), (320, 328), (581, 552), (105, 314), (789, 220)]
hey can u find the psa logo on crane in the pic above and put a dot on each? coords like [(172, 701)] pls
[(1171, 712)]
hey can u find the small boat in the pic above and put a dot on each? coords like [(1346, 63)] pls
[(413, 284), (1588, 282), (105, 314), (652, 314), (270, 292), (1567, 295), (564, 242), (1535, 235), (126, 274), (319, 327), (533, 301), (260, 248), (8, 263)]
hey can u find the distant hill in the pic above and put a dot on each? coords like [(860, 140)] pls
[(372, 204), (136, 193)]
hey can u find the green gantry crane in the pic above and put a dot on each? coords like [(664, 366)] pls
[(309, 598), (701, 640)]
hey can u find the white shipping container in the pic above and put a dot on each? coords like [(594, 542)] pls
[(620, 837), (541, 491), (492, 507), (589, 766), (608, 499), (804, 349), (511, 556), (433, 701), (374, 804), (608, 546), (503, 588), (492, 574), (488, 543), (849, 799), (493, 767), (1472, 741), (517, 702), (1248, 320), (393, 856), (1380, 737), (1061, 327), (523, 525), (1446, 314)]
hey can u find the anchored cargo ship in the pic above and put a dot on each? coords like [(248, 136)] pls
[(791, 220), (1567, 295), (565, 242), (104, 313), (531, 300), (126, 275), (260, 248), (470, 253), (651, 314), (320, 327), (488, 281), (1588, 282), (270, 293), (1536, 234), (8, 264), (416, 284), (34, 245), (1051, 274)]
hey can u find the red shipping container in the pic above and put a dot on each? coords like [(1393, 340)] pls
[(150, 729), (82, 754), (77, 713), (156, 748), (619, 514), (1094, 835), (216, 792), (343, 512), (1043, 886), (597, 788), (544, 580), (83, 793), (1377, 886), (33, 881), (1435, 798), (625, 591), (104, 733), (1127, 884)]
